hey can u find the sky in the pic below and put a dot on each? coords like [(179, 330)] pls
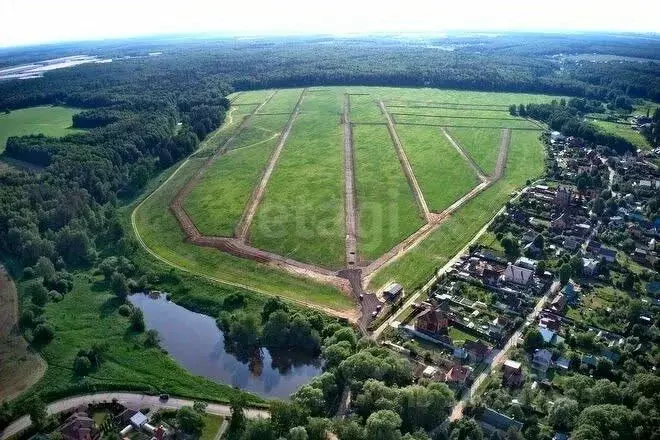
[(27, 22)]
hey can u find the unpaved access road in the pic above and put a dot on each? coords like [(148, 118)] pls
[(251, 209), (20, 367), (130, 400), (405, 164), (349, 186)]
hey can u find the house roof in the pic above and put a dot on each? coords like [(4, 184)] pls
[(518, 274), (138, 419), (393, 289), (546, 334), (457, 373), (499, 420), (542, 356), (512, 364)]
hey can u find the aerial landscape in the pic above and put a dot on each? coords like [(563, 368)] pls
[(357, 229)]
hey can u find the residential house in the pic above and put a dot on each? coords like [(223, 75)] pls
[(527, 263), (517, 275), (542, 360), (563, 363), (570, 291), (512, 373), (590, 267), (608, 255), (563, 197), (431, 321), (492, 421), (477, 350), (457, 374), (79, 426), (558, 304), (571, 243)]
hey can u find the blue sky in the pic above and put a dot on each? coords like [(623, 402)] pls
[(39, 21)]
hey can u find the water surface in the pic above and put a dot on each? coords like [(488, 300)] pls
[(195, 341)]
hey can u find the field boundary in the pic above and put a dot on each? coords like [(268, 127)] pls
[(421, 234), (351, 215), (245, 221), (467, 126), (458, 104), (464, 154), (405, 164), (456, 117)]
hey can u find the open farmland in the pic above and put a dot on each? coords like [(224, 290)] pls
[(46, 120), (309, 193)]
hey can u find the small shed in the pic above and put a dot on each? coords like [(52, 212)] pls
[(393, 291)]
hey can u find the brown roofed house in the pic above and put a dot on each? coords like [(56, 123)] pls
[(79, 426), (431, 321)]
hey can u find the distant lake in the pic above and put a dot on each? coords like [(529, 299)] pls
[(195, 341)]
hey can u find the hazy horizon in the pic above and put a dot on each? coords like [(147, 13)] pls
[(44, 22)]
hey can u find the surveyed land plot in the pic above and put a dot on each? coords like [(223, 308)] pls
[(283, 102), (387, 211), (252, 97), (442, 173), (217, 202), (365, 110), (462, 121), (481, 143), (301, 215), (525, 161)]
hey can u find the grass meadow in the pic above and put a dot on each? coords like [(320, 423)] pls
[(46, 120), (624, 131), (218, 201), (302, 212), (387, 211), (525, 161), (442, 173), (483, 144)]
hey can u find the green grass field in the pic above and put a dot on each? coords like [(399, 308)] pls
[(414, 268), (442, 173), (218, 201), (212, 425), (47, 120), (482, 144), (624, 131), (387, 211), (161, 233), (302, 212)]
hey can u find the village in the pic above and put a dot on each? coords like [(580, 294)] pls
[(581, 245)]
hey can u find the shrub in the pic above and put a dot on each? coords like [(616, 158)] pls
[(137, 320), (81, 365), (43, 333), (124, 310)]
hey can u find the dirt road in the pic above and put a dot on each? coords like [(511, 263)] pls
[(498, 358), (405, 164), (20, 367), (251, 209), (349, 186), (130, 400)]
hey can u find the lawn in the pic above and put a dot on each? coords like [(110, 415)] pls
[(302, 212), (442, 173), (127, 364), (387, 211), (46, 120), (212, 425), (218, 201), (625, 131), (414, 268), (459, 336), (483, 144)]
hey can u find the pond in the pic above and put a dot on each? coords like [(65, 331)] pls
[(195, 341)]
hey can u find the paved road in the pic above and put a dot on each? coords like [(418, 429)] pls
[(131, 400), (498, 358)]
